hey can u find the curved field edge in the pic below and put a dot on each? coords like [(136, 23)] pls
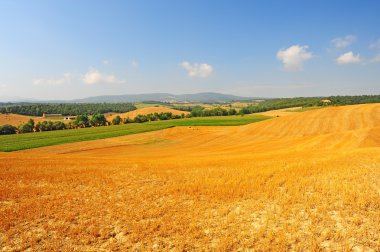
[(39, 139)]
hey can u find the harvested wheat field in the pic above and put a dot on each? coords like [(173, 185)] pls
[(146, 111), (280, 112), (307, 181), (15, 119)]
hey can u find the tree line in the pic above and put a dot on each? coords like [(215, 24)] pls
[(281, 103), (83, 121), (37, 109)]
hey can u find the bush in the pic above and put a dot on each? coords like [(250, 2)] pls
[(116, 120), (98, 120), (82, 121), (127, 120), (58, 126), (7, 129), (141, 119), (25, 128)]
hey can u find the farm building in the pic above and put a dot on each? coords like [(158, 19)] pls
[(326, 101), (44, 115), (69, 118)]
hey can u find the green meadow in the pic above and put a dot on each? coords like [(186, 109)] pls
[(40, 139)]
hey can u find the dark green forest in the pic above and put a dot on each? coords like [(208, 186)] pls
[(66, 108)]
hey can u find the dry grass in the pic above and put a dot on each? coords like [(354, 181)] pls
[(15, 119), (281, 112), (145, 111), (308, 181)]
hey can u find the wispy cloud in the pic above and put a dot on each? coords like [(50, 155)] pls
[(343, 42), (106, 62), (94, 76), (349, 58), (293, 58), (66, 78), (197, 70)]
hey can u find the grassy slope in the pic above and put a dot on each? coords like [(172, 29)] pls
[(146, 105), (303, 109), (34, 140)]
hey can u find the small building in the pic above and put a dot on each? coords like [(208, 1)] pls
[(326, 101), (69, 118), (44, 115)]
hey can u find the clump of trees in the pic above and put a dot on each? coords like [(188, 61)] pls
[(116, 120), (83, 121), (188, 108), (212, 112), (98, 120), (49, 126), (7, 129), (26, 127), (155, 117)]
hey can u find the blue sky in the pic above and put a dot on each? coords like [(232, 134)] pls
[(71, 49)]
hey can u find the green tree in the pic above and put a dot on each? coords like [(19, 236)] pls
[(127, 120), (141, 118), (7, 129), (31, 122), (82, 121), (38, 127), (25, 128), (116, 120), (58, 126), (98, 120)]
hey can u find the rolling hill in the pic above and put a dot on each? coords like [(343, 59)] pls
[(145, 111), (305, 181), (164, 97), (15, 119)]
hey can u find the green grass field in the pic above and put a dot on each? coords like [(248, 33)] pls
[(34, 140), (145, 105)]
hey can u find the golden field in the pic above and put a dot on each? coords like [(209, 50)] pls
[(15, 119), (145, 111), (306, 181)]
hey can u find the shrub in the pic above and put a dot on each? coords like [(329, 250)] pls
[(117, 120), (98, 120), (25, 128), (7, 129)]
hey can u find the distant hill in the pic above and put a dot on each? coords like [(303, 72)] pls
[(164, 97)]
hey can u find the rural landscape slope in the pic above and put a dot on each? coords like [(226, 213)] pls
[(146, 111), (15, 119), (305, 181)]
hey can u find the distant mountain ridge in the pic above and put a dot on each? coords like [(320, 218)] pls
[(208, 97), (164, 97)]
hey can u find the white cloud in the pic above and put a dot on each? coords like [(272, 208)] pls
[(93, 76), (375, 45), (348, 58), (343, 42), (106, 62), (197, 70), (376, 59), (294, 57), (66, 78)]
